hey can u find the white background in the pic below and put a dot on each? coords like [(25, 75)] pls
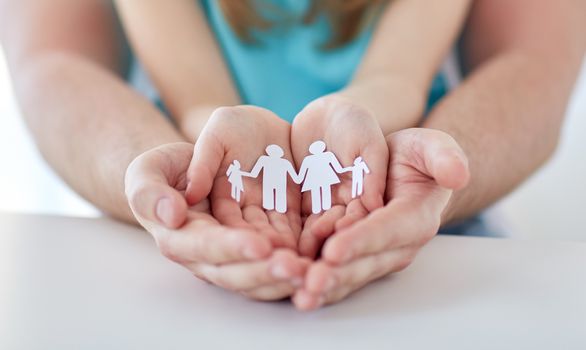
[(550, 205)]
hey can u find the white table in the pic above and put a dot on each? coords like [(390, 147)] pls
[(96, 284)]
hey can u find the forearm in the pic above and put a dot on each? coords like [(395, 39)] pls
[(178, 49), (88, 124), (507, 117), (407, 48)]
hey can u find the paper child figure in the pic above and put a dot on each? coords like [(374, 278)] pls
[(358, 171), (274, 178), (235, 179), (319, 176)]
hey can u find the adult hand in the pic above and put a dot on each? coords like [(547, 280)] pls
[(426, 166), (349, 131), (233, 258), (242, 133)]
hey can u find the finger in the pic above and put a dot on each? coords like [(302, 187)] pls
[(150, 183), (400, 223), (280, 222), (376, 157), (283, 266), (282, 228), (203, 242), (228, 212), (279, 290), (257, 218), (295, 222), (441, 157), (323, 278), (208, 155), (326, 284), (355, 211), (309, 244), (276, 291), (391, 265), (306, 301), (324, 225)]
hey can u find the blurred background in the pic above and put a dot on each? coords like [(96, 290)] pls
[(550, 205)]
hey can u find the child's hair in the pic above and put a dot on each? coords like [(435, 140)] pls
[(346, 17)]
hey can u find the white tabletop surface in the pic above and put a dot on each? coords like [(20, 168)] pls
[(96, 284)]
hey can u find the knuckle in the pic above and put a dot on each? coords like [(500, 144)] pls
[(429, 228), (136, 196), (168, 249), (268, 294), (403, 264), (227, 114), (405, 261)]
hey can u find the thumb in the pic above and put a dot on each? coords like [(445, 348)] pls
[(148, 187), (435, 154), (205, 164)]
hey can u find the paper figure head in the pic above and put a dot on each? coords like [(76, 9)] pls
[(236, 164), (358, 160), (274, 151), (317, 147)]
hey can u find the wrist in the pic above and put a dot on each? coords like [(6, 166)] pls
[(192, 123), (395, 102)]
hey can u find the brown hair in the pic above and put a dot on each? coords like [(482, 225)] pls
[(346, 17)]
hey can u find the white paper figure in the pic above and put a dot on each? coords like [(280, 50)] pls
[(358, 171), (316, 170), (235, 179), (274, 178)]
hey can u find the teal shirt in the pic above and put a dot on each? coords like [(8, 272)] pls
[(285, 69)]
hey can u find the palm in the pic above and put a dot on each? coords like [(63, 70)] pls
[(243, 133), (349, 132), (409, 175)]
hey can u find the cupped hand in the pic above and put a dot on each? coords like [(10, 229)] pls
[(243, 133), (426, 167), (237, 259), (349, 131)]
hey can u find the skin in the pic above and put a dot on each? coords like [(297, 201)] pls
[(149, 24), (239, 259), (239, 133), (331, 120), (506, 117)]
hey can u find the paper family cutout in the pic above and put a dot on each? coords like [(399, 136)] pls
[(319, 172)]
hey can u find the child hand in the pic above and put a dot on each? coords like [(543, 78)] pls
[(348, 131), (233, 258), (242, 133), (426, 166)]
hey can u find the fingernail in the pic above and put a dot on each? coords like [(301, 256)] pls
[(164, 211), (279, 271)]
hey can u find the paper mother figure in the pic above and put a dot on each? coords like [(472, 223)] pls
[(318, 173)]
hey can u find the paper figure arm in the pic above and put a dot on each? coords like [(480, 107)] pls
[(302, 173), (255, 169), (365, 167), (336, 164), (296, 178), (230, 169)]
